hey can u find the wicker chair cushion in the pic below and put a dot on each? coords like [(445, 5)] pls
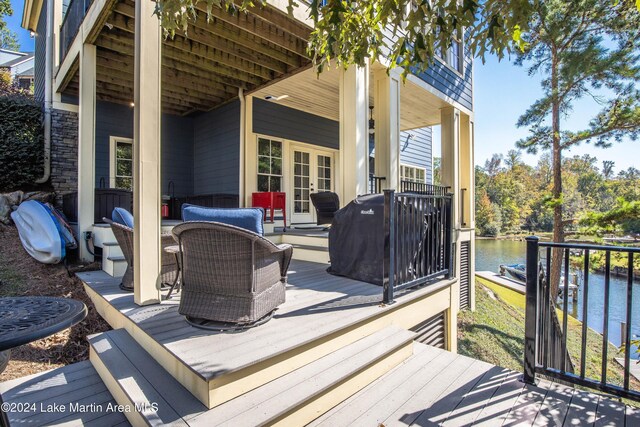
[(247, 218), (122, 216)]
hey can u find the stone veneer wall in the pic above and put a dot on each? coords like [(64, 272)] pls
[(64, 152)]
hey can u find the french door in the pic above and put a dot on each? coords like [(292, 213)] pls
[(312, 171)]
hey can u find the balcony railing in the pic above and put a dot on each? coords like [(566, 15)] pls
[(73, 17), (375, 183), (423, 188), (546, 349), (418, 241)]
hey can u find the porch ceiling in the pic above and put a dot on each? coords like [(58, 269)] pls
[(205, 67), (319, 95)]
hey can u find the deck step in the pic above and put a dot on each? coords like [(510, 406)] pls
[(80, 396), (311, 253), (136, 379), (114, 265), (306, 393)]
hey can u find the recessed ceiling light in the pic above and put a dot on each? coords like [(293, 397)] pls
[(275, 98)]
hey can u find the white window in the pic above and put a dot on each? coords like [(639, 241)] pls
[(121, 164), (269, 165), (413, 174)]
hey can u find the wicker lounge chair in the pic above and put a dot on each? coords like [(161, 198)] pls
[(327, 204), (231, 278), (124, 237)]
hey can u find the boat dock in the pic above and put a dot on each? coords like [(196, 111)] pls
[(502, 281), (515, 285)]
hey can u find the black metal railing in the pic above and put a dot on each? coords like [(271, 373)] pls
[(546, 350), (375, 183), (418, 241), (423, 188), (73, 17)]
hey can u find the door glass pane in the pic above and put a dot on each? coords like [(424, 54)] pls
[(263, 164), (324, 173), (276, 166), (263, 147), (263, 183), (274, 183), (301, 181)]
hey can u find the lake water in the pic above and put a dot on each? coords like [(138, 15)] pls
[(491, 253)]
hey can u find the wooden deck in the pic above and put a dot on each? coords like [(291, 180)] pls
[(72, 395), (322, 313), (435, 387), (432, 387)]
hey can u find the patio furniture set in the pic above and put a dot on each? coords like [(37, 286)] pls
[(230, 275)]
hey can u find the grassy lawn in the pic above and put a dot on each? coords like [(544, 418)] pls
[(495, 333)]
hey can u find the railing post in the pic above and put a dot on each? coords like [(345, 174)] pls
[(531, 311), (450, 247), (388, 266)]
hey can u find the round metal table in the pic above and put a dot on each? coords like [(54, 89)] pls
[(27, 319)]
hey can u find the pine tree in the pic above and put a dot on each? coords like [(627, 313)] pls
[(581, 48)]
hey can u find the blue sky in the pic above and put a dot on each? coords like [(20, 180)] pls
[(503, 92), (24, 37)]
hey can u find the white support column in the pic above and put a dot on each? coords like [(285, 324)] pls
[(354, 136), (387, 132), (467, 197), (450, 161), (146, 155), (86, 146), (450, 173)]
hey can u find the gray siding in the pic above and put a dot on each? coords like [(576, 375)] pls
[(111, 120), (177, 145), (40, 54), (282, 122), (216, 150), (177, 154), (451, 83), (416, 151)]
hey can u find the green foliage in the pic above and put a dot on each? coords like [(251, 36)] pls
[(518, 197), (352, 33), (21, 138), (8, 39), (624, 216)]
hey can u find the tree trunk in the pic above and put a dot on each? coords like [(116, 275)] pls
[(558, 225)]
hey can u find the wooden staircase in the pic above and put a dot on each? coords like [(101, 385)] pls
[(136, 380)]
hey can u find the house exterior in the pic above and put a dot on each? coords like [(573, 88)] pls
[(233, 107), (19, 65)]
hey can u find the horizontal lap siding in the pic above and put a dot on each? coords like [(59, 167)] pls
[(177, 145), (417, 151), (217, 150), (444, 79), (279, 121), (177, 154), (40, 55)]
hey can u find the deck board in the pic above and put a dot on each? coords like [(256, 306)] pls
[(317, 305), (435, 387), (582, 410), (78, 383)]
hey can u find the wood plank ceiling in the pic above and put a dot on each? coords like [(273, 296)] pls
[(205, 67)]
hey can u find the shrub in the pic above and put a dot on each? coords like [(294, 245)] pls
[(21, 138)]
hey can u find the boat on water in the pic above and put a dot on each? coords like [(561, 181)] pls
[(43, 232), (517, 271)]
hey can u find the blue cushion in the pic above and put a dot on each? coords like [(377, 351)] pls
[(247, 218), (122, 216)]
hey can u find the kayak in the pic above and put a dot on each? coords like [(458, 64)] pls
[(42, 232)]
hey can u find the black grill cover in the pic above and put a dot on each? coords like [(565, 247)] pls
[(356, 240)]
